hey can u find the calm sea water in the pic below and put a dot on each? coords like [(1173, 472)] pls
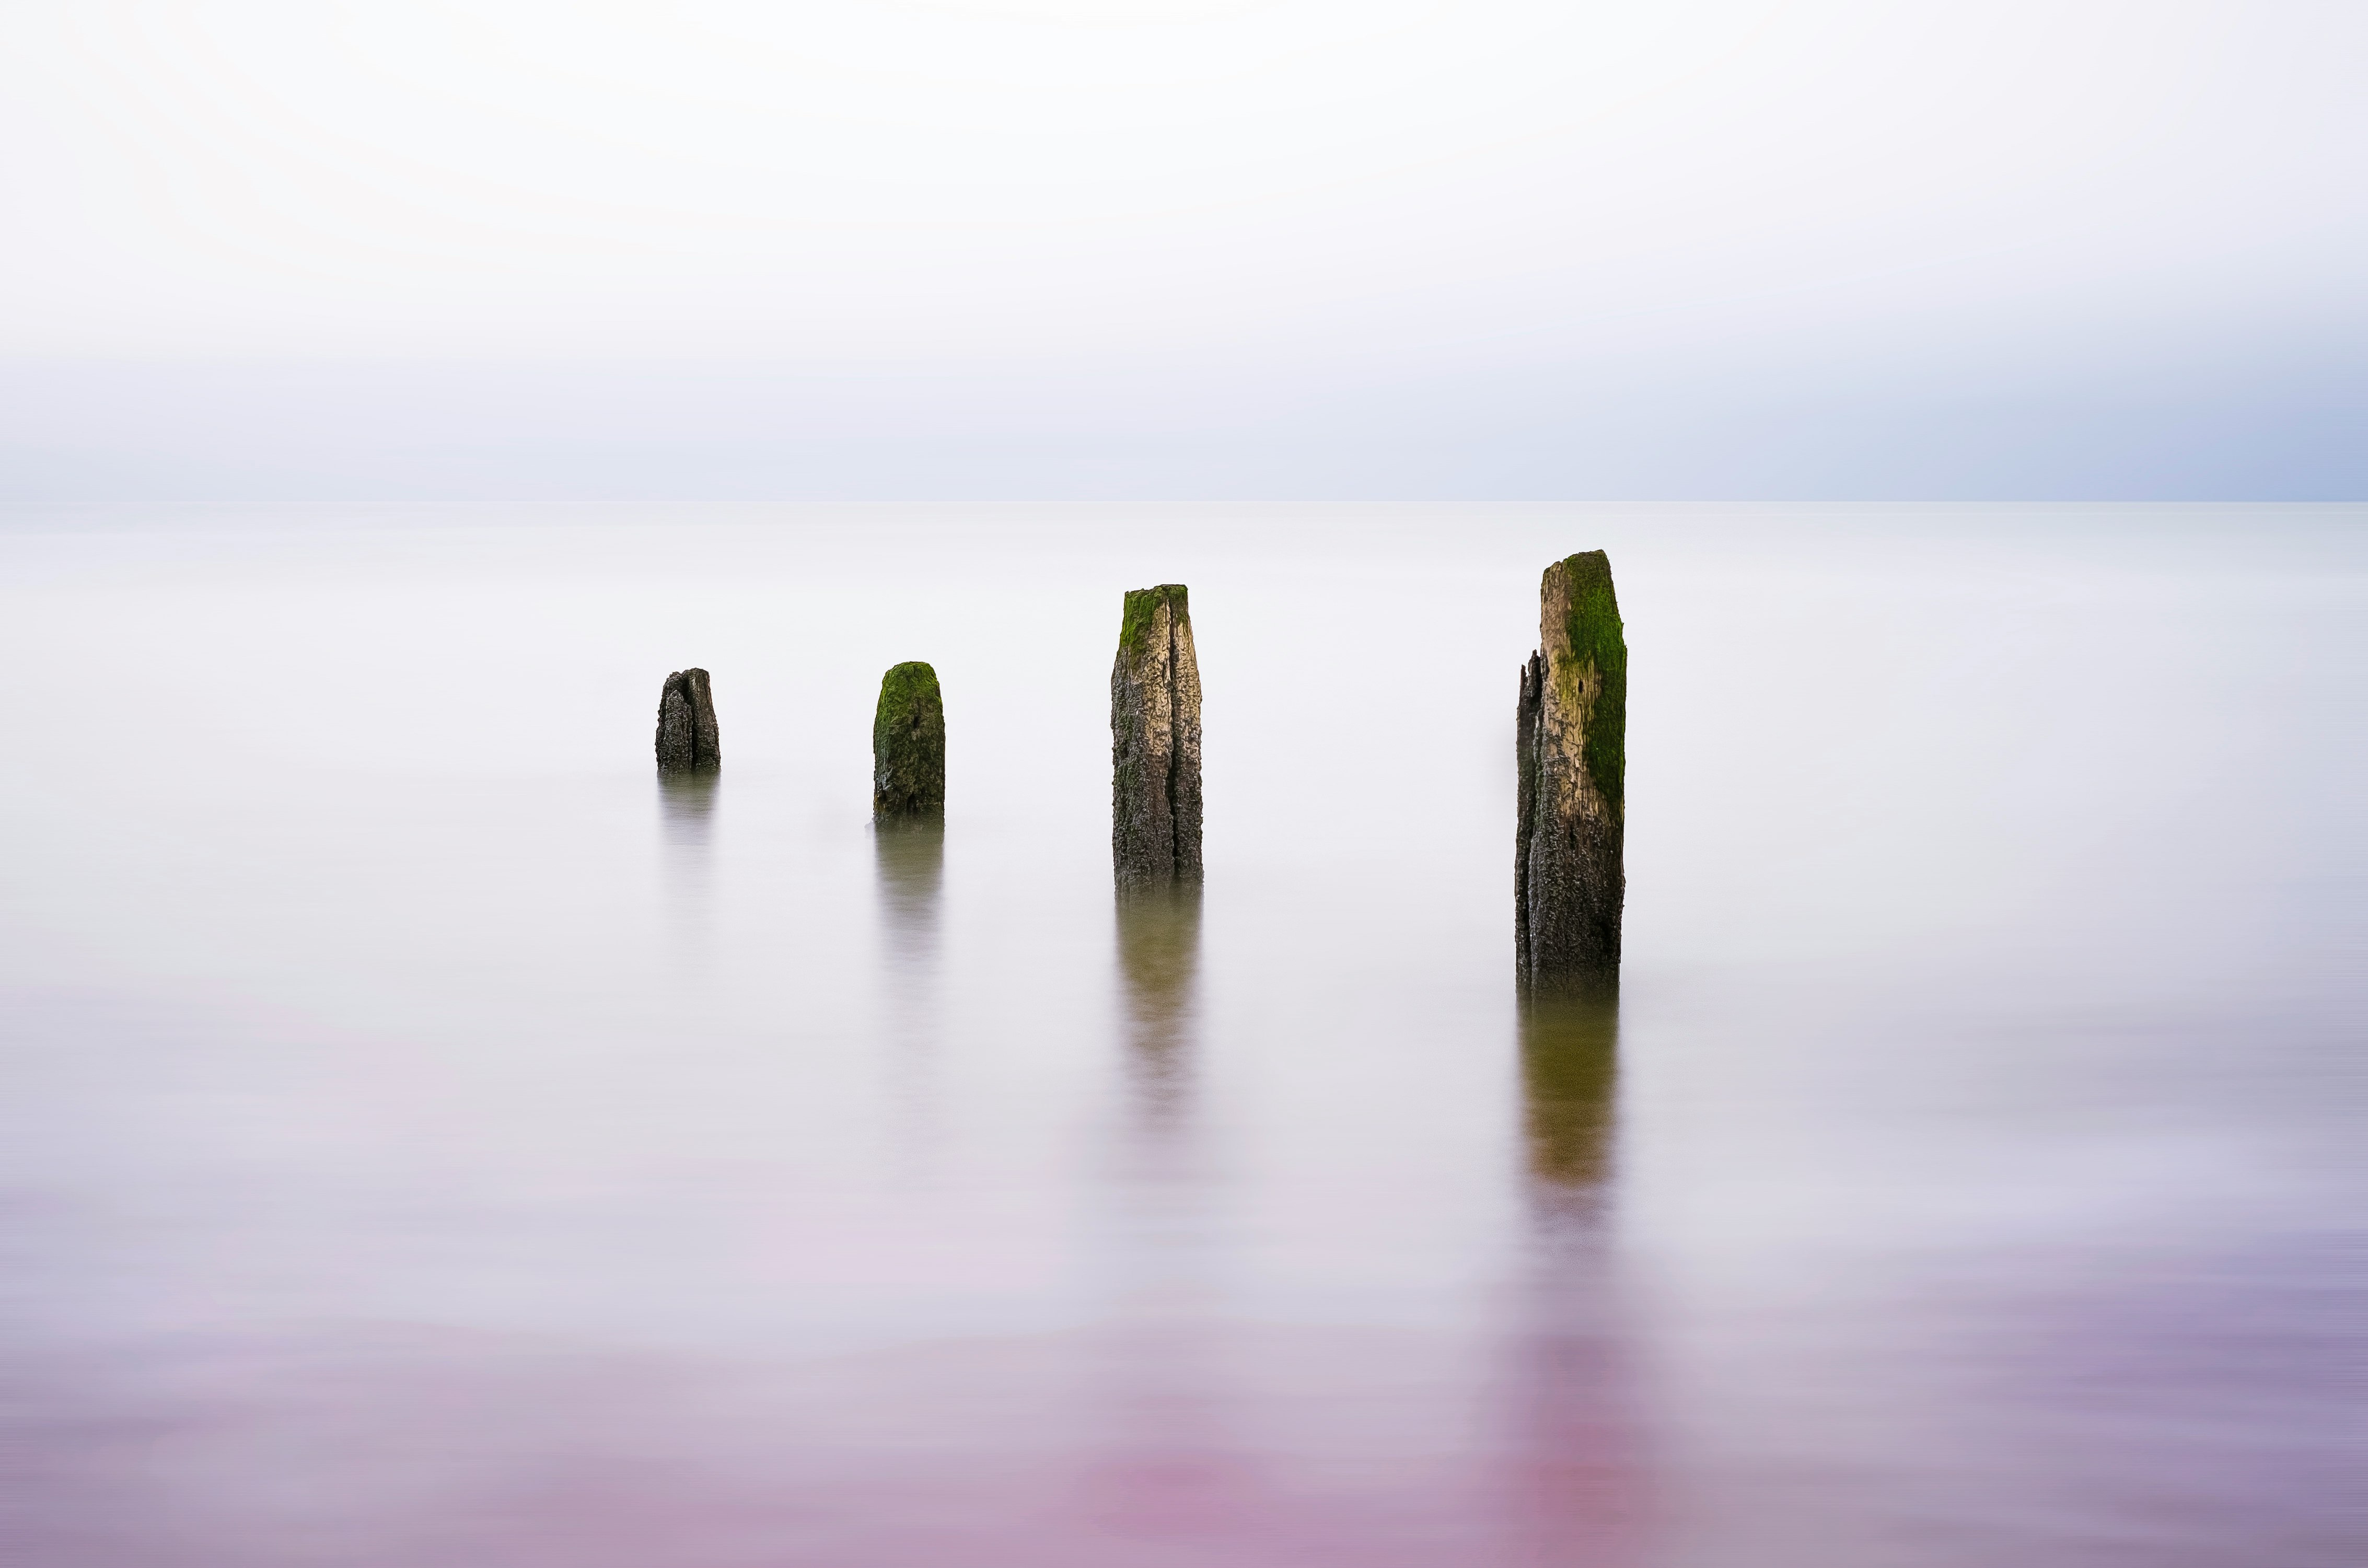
[(427, 1140)]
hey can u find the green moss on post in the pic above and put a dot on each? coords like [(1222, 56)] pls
[(1142, 607), (1595, 645), (908, 747)]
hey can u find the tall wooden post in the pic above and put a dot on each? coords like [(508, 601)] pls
[(1155, 743), (1570, 881)]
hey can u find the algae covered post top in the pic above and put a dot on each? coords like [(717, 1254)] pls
[(1156, 742), (1570, 881), (687, 740), (908, 746)]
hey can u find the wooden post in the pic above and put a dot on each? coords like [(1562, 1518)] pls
[(1569, 881), (687, 739), (908, 747), (1155, 743)]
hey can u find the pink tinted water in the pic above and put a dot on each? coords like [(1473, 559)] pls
[(427, 1140)]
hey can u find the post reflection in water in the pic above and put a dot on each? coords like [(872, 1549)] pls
[(1574, 1409), (686, 820), (1570, 1068), (687, 801), (1159, 960), (1164, 1459), (911, 860)]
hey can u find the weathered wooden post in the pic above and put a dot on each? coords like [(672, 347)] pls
[(1568, 879), (1155, 743), (908, 747), (687, 740)]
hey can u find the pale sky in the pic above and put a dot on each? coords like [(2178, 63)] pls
[(1369, 251)]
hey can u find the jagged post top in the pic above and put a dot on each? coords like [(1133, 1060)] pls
[(1143, 606), (1579, 631)]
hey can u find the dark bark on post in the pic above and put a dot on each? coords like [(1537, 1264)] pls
[(1155, 743), (908, 747), (687, 739), (1569, 881)]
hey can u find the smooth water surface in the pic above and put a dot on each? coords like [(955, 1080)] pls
[(427, 1138)]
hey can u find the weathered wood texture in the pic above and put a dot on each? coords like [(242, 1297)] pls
[(908, 747), (1155, 743), (687, 740), (1569, 878)]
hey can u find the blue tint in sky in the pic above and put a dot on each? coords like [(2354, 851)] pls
[(1358, 251)]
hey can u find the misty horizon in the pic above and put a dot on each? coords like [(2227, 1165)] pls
[(1177, 251)]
